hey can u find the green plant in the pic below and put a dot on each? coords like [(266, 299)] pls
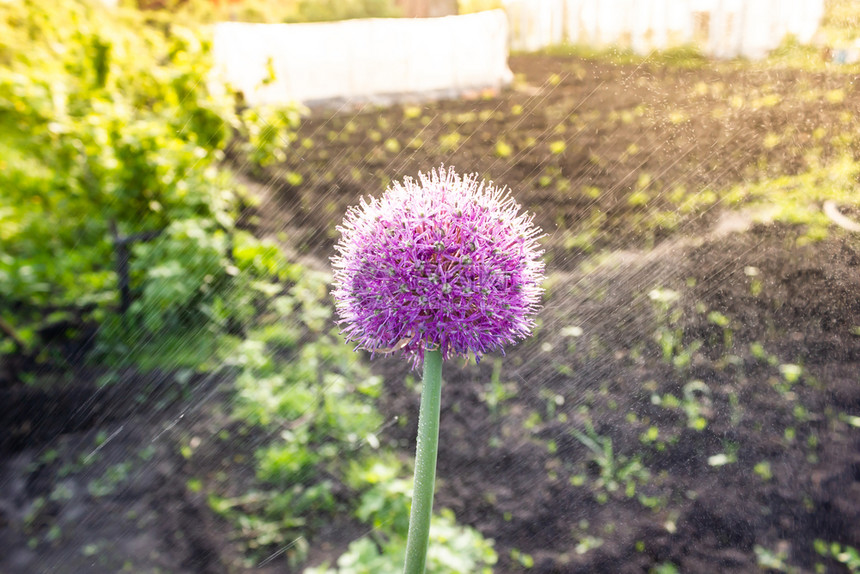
[(613, 470), (844, 554), (266, 132), (791, 373), (110, 139), (496, 392), (525, 560), (264, 519), (328, 10), (669, 334), (503, 150), (721, 320), (696, 404), (772, 560), (587, 543), (304, 381), (664, 568), (763, 470), (112, 478), (453, 549), (797, 199), (557, 147), (552, 400), (385, 507)]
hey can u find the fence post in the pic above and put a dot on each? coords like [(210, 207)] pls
[(120, 247), (122, 259)]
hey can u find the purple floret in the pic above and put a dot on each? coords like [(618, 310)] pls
[(446, 262)]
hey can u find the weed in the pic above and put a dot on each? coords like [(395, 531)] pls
[(652, 502), (721, 320), (850, 420), (613, 471), (796, 199), (664, 568), (258, 523), (650, 436), (503, 149), (83, 461), (54, 533), (588, 543), (495, 392), (61, 493), (762, 469), (669, 335), (773, 560), (35, 515), (844, 554), (553, 400), (696, 404), (525, 560), (452, 548), (791, 373), (112, 478), (758, 351), (449, 142), (533, 421)]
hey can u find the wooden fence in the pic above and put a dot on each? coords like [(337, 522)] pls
[(720, 28)]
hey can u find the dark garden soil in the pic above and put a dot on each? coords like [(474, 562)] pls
[(510, 474), (692, 395), (606, 155)]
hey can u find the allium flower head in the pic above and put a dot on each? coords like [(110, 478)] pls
[(446, 262)]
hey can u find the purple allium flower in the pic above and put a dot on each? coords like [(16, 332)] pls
[(446, 262)]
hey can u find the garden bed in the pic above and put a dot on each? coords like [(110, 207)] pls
[(691, 397)]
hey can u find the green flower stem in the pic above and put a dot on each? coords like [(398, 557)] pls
[(425, 465)]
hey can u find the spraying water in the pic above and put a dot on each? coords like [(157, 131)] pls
[(689, 401)]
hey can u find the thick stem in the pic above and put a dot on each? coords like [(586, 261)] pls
[(425, 464)]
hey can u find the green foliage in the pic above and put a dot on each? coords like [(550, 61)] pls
[(180, 272), (274, 11), (288, 460), (670, 335), (844, 554), (664, 568), (453, 549), (678, 57), (265, 133), (113, 477), (263, 519), (696, 404), (327, 10), (797, 199), (614, 470), (470, 6), (385, 506), (298, 376), (496, 393), (106, 121), (772, 560)]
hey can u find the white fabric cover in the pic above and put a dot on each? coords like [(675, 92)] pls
[(362, 60)]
